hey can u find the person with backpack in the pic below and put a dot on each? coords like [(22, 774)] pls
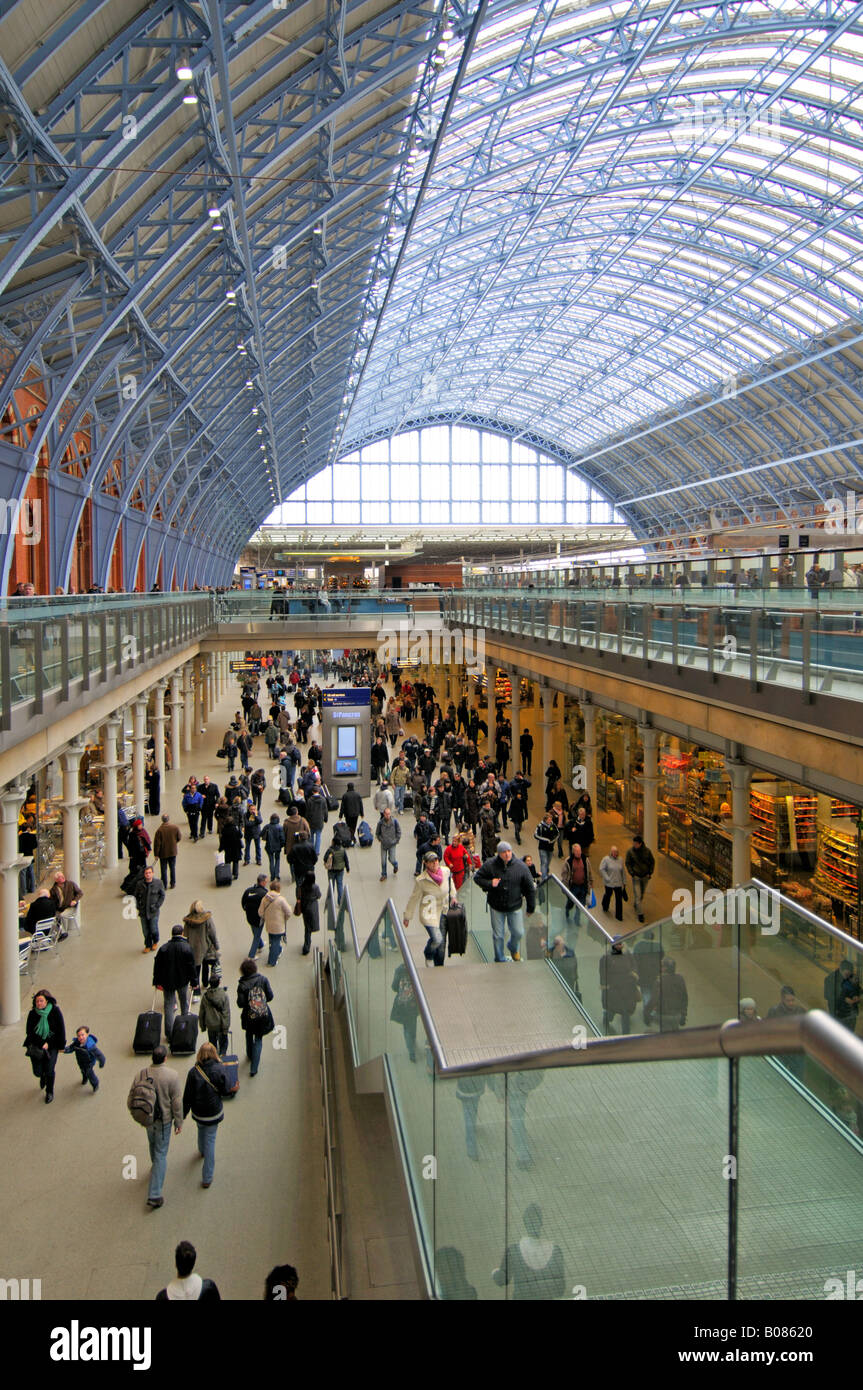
[(155, 1102), (254, 996), (337, 864), (317, 815), (206, 1084)]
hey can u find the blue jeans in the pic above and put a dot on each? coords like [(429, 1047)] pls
[(388, 853), (399, 793), (514, 920), (316, 840), (256, 841), (207, 1149), (158, 1137), (254, 1047), (544, 863), (337, 878), (435, 947), (169, 997), (150, 928), (274, 863), (276, 943), (257, 940)]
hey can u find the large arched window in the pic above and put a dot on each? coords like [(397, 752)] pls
[(445, 475)]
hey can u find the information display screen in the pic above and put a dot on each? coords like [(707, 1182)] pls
[(347, 762)]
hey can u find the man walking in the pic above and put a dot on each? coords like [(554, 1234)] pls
[(149, 896), (173, 973), (525, 745), (388, 833), (640, 864), (168, 1111), (546, 838), (165, 842), (613, 875), (209, 797), (507, 882), (251, 904), (351, 810)]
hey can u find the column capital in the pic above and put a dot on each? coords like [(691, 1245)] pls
[(12, 797), (114, 723), (739, 773), (71, 756)]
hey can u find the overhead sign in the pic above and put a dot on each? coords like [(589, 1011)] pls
[(360, 695), (251, 664)]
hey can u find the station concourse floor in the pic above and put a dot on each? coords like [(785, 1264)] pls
[(76, 1218)]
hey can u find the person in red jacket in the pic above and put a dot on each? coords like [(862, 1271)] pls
[(458, 860)]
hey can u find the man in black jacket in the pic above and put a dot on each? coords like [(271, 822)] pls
[(317, 815), (173, 972), (506, 881), (210, 792), (351, 810), (149, 896), (250, 903)]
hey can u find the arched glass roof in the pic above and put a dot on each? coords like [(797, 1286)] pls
[(627, 235)]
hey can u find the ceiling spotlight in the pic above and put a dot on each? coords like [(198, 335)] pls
[(254, 410), (319, 231), (249, 383), (260, 430), (190, 99), (213, 211), (217, 226), (183, 70), (230, 294), (314, 285)]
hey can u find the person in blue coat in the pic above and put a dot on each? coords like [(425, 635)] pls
[(86, 1053)]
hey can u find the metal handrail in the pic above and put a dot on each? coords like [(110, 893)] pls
[(333, 1213), (801, 911), (816, 1034)]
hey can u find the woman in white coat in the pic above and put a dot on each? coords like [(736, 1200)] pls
[(432, 894)]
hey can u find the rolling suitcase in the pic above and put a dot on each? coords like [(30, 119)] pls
[(409, 799), (231, 1063), (224, 877), (364, 835), (148, 1031), (341, 834), (184, 1035), (456, 929)]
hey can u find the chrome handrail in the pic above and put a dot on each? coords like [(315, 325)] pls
[(801, 911)]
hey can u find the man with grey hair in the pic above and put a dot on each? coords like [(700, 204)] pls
[(507, 882)]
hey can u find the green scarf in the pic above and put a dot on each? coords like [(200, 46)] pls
[(43, 1027)]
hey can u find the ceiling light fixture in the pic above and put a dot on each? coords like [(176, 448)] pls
[(183, 70), (190, 99)]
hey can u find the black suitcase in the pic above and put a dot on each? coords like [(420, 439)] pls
[(224, 877), (341, 834), (409, 799), (456, 930), (184, 1034), (286, 796), (148, 1031), (231, 1063)]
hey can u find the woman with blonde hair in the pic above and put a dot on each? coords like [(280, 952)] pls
[(206, 1084)]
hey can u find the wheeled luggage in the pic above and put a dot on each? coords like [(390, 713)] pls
[(456, 929), (184, 1034), (231, 1063), (364, 834), (148, 1031), (341, 834), (223, 875)]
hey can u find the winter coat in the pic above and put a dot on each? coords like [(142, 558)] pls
[(273, 837), (275, 913), (458, 861), (293, 826), (206, 1083), (619, 982), (56, 1039), (431, 898), (383, 797), (149, 896), (640, 863), (250, 902), (566, 876), (302, 858), (516, 882), (352, 805), (336, 860), (388, 832), (612, 872), (166, 840), (174, 964), (401, 775), (201, 932), (210, 794), (215, 1010), (231, 841), (317, 813), (257, 1027)]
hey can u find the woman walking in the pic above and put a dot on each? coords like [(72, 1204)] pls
[(201, 935), (206, 1084), (254, 996), (44, 1037)]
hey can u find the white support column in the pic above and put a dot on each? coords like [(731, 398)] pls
[(110, 763), (71, 804), (11, 800), (188, 707), (212, 697), (139, 739), (176, 716), (741, 827), (159, 728), (546, 724), (588, 712), (650, 781), (204, 693)]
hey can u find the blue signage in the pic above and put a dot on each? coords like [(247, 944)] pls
[(360, 695)]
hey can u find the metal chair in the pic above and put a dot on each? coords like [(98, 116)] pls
[(49, 940), (70, 919), (25, 949)]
